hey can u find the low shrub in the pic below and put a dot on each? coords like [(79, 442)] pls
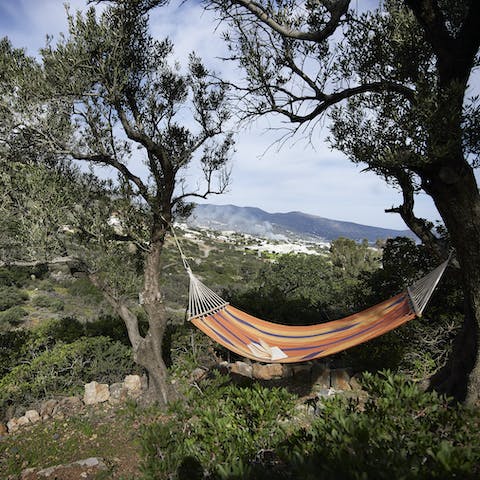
[(82, 287), (11, 297), (50, 302), (64, 369), (231, 432), (400, 432), (223, 431), (13, 316)]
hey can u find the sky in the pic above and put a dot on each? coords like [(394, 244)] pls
[(296, 177)]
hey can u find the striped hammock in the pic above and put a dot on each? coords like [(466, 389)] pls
[(264, 341)]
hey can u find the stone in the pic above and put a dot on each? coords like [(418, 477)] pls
[(87, 468), (22, 421), (197, 374), (340, 380), (118, 392), (133, 384), (67, 406), (12, 425), (241, 368), (96, 393), (46, 408), (320, 377), (33, 416), (3, 429), (355, 384), (267, 372)]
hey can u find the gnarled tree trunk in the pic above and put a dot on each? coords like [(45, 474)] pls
[(455, 193)]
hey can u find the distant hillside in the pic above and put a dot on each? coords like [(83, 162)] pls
[(283, 226)]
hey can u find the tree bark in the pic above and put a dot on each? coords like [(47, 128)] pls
[(455, 192), (149, 352)]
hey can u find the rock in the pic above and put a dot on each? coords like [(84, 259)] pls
[(118, 392), (87, 468), (22, 421), (67, 406), (320, 377), (46, 408), (267, 372), (355, 384), (133, 384), (340, 380), (3, 429), (33, 416), (197, 374), (241, 368), (95, 393), (12, 425)]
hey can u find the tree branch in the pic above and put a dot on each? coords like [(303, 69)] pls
[(336, 9)]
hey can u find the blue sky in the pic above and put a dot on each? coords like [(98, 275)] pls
[(298, 176)]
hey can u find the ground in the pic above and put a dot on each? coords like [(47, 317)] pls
[(103, 432)]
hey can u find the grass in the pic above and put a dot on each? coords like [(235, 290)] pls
[(101, 432)]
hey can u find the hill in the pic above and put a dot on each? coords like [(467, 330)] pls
[(283, 226)]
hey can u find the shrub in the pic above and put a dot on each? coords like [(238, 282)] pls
[(13, 316), (13, 348), (64, 370), (10, 297), (50, 302), (400, 432), (222, 432), (82, 287)]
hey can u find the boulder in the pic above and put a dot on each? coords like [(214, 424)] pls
[(3, 429), (340, 380), (320, 377), (23, 421), (33, 416), (355, 384), (12, 425), (118, 392), (267, 372), (67, 406), (96, 393), (133, 384), (241, 368), (46, 408)]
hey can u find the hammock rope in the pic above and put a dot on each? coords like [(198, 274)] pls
[(265, 341)]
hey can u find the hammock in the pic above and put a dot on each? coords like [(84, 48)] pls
[(271, 342)]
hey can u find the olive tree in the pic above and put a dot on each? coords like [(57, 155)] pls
[(109, 95), (394, 82)]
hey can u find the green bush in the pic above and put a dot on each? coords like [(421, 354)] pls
[(13, 316), (64, 369), (14, 346), (232, 432), (83, 287), (11, 297), (50, 302), (20, 276), (401, 432), (221, 432)]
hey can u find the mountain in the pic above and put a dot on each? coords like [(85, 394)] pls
[(283, 226)]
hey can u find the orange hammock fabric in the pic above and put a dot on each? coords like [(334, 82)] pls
[(264, 341)]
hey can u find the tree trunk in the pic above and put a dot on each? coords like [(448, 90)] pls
[(149, 352), (455, 192)]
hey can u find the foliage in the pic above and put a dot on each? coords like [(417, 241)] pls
[(11, 297), (48, 301), (303, 289), (234, 432), (12, 317), (223, 430), (63, 369), (400, 432)]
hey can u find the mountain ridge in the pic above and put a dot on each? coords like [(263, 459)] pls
[(285, 225)]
